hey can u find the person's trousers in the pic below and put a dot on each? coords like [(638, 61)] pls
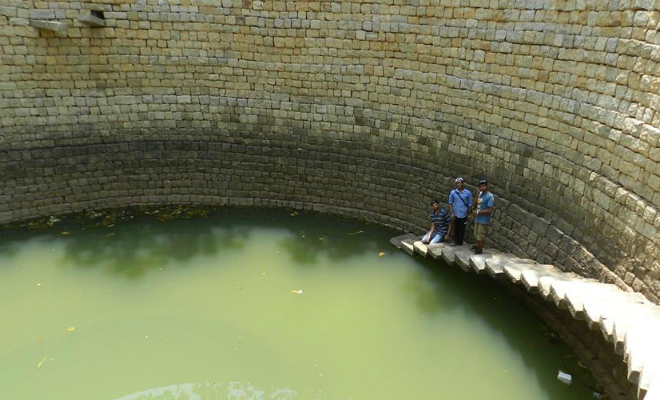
[(459, 229)]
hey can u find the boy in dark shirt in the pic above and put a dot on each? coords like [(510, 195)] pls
[(441, 225)]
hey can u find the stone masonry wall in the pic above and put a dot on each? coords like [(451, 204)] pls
[(362, 108)]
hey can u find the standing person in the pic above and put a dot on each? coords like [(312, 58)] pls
[(482, 213), (440, 225), (460, 203)]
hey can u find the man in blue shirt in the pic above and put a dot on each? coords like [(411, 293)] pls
[(440, 225), (482, 213), (460, 202)]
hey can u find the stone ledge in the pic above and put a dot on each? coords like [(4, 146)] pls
[(91, 20), (54, 26)]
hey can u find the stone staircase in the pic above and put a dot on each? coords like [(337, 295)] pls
[(627, 320)]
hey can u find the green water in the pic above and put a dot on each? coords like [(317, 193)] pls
[(205, 308)]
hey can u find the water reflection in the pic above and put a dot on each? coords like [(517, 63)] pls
[(134, 247), (437, 289), (137, 248)]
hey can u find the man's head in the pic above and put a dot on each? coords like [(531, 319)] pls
[(460, 183), (483, 185), (435, 205)]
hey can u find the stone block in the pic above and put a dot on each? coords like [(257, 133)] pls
[(92, 21), (54, 26)]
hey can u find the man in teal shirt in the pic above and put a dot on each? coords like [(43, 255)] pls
[(482, 213)]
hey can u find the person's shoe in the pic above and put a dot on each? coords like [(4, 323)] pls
[(478, 251), (452, 244)]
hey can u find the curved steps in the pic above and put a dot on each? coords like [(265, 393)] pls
[(627, 320)]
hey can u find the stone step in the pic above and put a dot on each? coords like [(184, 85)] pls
[(561, 287), (514, 269), (627, 316), (420, 248), (574, 294), (396, 241), (448, 254), (531, 276), (462, 257), (54, 26), (435, 250), (619, 306), (91, 20), (408, 246), (495, 264), (478, 261)]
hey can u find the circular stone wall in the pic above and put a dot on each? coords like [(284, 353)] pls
[(356, 108)]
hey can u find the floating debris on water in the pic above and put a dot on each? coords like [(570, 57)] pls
[(43, 360), (71, 329), (66, 233), (564, 377), (299, 291), (355, 233), (381, 254)]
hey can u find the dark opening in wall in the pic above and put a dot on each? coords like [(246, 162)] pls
[(98, 14)]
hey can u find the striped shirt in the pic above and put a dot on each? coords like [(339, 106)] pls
[(441, 220)]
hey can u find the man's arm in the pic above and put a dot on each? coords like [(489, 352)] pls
[(449, 229), (489, 209), (451, 209), (486, 211)]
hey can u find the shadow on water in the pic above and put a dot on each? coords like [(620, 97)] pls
[(135, 249), (306, 248), (438, 288), (131, 248)]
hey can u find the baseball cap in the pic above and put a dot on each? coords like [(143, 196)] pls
[(459, 179), (483, 182)]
